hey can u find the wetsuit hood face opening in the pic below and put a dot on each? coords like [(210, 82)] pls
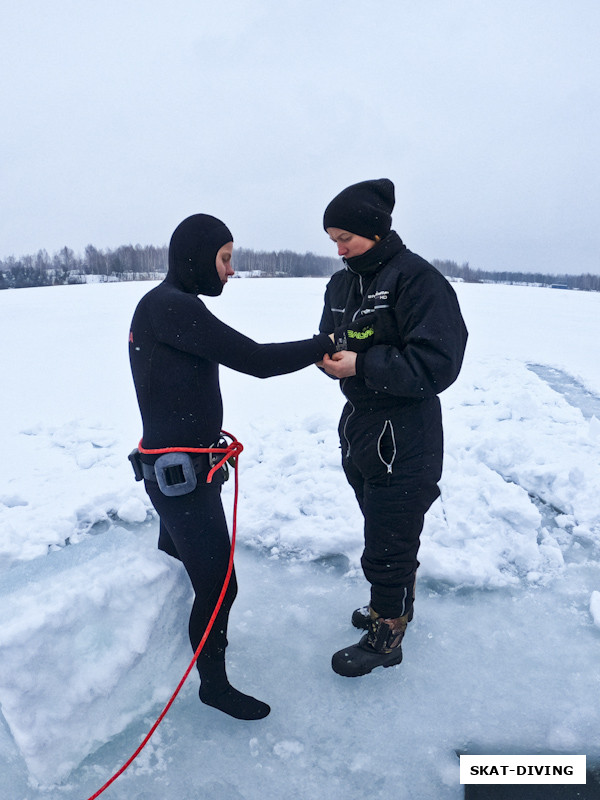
[(192, 254)]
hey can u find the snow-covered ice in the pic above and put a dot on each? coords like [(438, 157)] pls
[(503, 651)]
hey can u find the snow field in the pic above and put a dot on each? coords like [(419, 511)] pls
[(92, 617)]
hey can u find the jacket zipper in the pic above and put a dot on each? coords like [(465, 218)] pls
[(362, 294), (381, 435), (345, 426), (343, 381)]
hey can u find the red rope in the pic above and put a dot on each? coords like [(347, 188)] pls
[(232, 450)]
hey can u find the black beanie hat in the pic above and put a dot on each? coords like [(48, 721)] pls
[(192, 254), (364, 209)]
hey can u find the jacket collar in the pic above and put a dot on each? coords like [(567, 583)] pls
[(377, 257)]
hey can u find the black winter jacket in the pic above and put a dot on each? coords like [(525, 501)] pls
[(424, 335)]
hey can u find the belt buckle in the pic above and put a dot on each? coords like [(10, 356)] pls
[(214, 458)]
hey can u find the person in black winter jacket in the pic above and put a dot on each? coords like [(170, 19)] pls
[(401, 336), (176, 345)]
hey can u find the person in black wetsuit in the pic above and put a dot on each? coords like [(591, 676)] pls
[(403, 340), (176, 345)]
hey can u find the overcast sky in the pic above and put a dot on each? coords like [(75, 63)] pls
[(120, 118)]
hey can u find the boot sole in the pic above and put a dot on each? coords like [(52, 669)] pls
[(344, 668)]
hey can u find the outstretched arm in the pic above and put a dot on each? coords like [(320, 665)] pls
[(187, 325)]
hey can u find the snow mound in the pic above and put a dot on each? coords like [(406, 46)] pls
[(88, 647)]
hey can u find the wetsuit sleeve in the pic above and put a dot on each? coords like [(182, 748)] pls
[(186, 324), (433, 338)]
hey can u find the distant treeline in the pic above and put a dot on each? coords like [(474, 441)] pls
[(586, 283), (130, 262)]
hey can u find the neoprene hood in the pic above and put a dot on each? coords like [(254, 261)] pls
[(192, 254)]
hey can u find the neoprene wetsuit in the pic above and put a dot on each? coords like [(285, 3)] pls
[(176, 345)]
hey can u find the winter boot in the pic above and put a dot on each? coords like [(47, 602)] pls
[(360, 617), (379, 647)]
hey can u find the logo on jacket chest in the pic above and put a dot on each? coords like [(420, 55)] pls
[(374, 301), (380, 297)]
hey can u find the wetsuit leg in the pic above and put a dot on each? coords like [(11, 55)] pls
[(194, 527), (165, 543)]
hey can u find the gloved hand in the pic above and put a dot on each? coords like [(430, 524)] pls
[(358, 336), (376, 327)]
